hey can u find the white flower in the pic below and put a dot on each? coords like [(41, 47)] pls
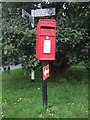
[(38, 88)]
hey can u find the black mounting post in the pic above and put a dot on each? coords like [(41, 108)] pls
[(44, 86)]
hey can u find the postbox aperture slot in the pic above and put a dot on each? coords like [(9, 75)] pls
[(47, 27)]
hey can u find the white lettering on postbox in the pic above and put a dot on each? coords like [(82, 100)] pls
[(47, 46)]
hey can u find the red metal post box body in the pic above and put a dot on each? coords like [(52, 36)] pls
[(45, 39)]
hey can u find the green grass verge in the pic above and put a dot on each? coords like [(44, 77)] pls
[(0, 94), (67, 95)]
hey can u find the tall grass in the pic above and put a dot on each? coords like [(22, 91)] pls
[(67, 95)]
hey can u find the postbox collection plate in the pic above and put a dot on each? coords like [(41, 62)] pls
[(47, 46)]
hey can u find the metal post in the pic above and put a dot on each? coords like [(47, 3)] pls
[(44, 86), (32, 74), (8, 70), (32, 14)]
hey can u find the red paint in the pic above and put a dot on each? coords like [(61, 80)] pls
[(46, 30)]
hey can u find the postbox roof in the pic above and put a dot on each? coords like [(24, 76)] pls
[(47, 22)]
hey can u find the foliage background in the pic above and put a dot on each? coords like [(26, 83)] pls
[(72, 39)]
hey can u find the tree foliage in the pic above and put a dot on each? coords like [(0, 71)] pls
[(72, 34), (72, 39), (18, 40)]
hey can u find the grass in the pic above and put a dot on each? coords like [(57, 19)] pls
[(67, 95), (0, 93)]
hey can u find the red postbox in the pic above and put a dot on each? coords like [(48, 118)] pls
[(45, 39)]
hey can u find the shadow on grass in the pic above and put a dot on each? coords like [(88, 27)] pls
[(72, 75)]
